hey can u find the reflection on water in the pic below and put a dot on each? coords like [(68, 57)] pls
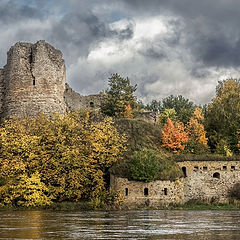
[(187, 225)]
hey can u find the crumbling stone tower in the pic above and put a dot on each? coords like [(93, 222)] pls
[(32, 81)]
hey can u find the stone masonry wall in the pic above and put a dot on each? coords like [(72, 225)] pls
[(75, 101), (159, 192), (34, 79), (1, 89), (208, 181)]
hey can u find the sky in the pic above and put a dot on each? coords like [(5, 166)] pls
[(164, 46)]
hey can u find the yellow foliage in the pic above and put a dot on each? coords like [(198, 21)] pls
[(69, 154), (196, 128), (25, 191)]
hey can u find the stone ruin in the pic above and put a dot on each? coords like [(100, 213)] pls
[(34, 81), (201, 181)]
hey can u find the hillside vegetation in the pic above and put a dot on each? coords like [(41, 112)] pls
[(144, 136)]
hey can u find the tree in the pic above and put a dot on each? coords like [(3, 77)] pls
[(119, 96), (25, 191), (223, 115), (182, 106), (154, 106), (197, 133), (167, 113), (128, 112), (174, 136), (66, 156)]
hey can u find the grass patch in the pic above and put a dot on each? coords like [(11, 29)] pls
[(205, 157), (61, 206)]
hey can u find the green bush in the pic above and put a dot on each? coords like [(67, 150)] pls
[(144, 165)]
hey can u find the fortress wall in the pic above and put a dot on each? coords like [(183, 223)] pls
[(34, 80), (75, 101), (208, 181), (159, 192), (1, 90)]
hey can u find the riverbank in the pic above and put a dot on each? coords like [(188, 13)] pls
[(87, 206)]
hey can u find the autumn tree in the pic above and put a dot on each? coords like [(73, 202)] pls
[(119, 96), (174, 136), (68, 153), (128, 112), (197, 133), (223, 116)]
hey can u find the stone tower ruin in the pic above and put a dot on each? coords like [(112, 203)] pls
[(32, 81)]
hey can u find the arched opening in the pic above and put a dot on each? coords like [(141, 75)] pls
[(195, 168), (91, 104), (126, 191), (145, 191), (216, 175), (184, 170)]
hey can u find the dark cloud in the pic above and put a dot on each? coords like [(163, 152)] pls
[(211, 27), (165, 46), (10, 12)]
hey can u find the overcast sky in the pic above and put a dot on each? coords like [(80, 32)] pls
[(164, 46)]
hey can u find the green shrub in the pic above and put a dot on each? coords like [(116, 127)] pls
[(144, 165)]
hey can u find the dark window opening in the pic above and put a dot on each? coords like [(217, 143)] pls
[(184, 170), (195, 168), (232, 167), (216, 175), (165, 191), (204, 168), (224, 167), (126, 191), (34, 82), (91, 104), (145, 191)]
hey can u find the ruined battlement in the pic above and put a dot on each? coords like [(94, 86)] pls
[(34, 81), (75, 101), (204, 181)]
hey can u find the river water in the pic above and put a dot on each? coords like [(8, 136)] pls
[(160, 224)]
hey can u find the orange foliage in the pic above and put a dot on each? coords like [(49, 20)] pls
[(174, 136), (128, 111)]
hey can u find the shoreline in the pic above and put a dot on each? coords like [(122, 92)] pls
[(86, 206)]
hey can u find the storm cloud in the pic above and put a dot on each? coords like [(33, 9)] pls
[(164, 46)]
